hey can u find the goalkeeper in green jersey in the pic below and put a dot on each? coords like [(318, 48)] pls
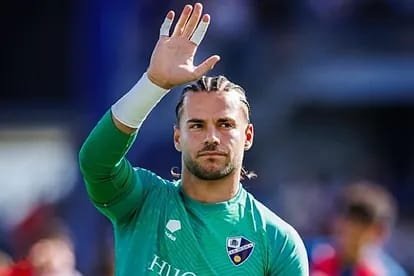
[(206, 223)]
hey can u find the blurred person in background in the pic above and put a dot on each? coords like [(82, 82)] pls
[(51, 255), (364, 215), (206, 223)]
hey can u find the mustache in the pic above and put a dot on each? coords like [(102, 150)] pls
[(211, 148)]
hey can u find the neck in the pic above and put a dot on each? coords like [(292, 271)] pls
[(210, 191), (351, 257)]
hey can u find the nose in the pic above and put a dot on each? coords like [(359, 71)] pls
[(212, 136)]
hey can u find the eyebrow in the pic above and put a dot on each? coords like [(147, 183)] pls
[(199, 121), (226, 119), (190, 121)]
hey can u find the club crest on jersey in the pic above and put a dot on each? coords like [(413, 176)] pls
[(239, 249)]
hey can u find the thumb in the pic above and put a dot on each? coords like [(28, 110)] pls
[(206, 66)]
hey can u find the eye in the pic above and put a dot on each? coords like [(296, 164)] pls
[(226, 125), (195, 126)]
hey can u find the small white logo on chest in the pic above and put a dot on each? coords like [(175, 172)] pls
[(172, 226)]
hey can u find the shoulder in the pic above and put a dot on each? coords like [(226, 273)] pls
[(274, 226), (286, 248), (150, 179)]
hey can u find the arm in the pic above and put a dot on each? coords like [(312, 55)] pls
[(111, 182)]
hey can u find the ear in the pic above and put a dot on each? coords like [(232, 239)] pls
[(177, 136), (249, 134)]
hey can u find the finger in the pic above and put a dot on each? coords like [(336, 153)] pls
[(193, 21), (201, 30), (206, 66), (185, 14), (166, 25)]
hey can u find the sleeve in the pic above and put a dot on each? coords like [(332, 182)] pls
[(114, 187), (288, 254)]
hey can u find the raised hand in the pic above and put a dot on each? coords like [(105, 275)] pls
[(172, 59)]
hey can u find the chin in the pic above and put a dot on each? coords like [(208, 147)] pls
[(211, 176), (215, 174), (213, 169), (209, 169)]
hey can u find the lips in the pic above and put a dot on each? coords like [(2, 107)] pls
[(212, 153)]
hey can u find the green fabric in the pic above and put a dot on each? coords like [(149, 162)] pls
[(160, 231)]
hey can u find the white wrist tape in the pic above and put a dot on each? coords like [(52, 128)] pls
[(134, 106)]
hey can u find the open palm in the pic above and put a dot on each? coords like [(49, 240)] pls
[(172, 59)]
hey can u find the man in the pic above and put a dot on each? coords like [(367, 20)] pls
[(364, 217), (206, 223)]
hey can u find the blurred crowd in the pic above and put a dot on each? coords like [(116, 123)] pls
[(332, 92)]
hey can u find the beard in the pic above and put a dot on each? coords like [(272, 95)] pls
[(204, 173)]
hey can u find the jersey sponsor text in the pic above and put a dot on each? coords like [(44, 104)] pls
[(163, 268)]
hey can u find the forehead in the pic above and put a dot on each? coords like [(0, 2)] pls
[(212, 104)]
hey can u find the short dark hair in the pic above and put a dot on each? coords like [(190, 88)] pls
[(211, 84), (368, 203)]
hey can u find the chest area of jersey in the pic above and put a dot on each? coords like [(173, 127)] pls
[(207, 244)]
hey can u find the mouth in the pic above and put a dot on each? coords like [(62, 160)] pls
[(212, 153)]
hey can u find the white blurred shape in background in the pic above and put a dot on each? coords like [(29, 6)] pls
[(37, 165)]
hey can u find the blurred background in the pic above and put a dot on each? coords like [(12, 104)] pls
[(330, 82)]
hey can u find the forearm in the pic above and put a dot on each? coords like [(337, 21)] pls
[(130, 111)]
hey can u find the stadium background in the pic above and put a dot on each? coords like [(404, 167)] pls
[(331, 85)]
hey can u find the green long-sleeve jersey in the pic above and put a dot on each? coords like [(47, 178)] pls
[(159, 230)]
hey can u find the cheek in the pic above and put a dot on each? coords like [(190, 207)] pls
[(236, 143), (190, 142), (239, 138)]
